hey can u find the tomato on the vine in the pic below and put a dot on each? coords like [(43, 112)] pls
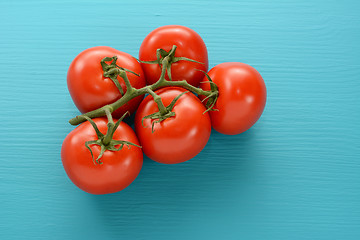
[(189, 44), (241, 99), (118, 168), (178, 138), (89, 88)]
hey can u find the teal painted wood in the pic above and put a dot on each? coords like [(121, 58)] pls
[(294, 175)]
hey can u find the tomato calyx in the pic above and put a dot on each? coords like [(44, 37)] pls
[(164, 112), (106, 141), (112, 71), (212, 97), (161, 54)]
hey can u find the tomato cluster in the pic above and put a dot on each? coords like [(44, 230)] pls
[(183, 101)]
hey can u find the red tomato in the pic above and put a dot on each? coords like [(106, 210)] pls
[(176, 139), (90, 90), (241, 100), (118, 168), (189, 44)]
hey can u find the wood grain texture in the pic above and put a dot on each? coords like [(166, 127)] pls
[(294, 175)]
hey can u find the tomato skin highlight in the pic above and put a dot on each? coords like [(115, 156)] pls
[(118, 170), (90, 90), (176, 139), (241, 100), (189, 44)]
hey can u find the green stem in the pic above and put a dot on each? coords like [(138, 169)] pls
[(165, 63), (109, 134), (158, 101), (129, 88), (132, 92)]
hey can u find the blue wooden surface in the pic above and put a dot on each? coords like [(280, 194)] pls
[(294, 175)]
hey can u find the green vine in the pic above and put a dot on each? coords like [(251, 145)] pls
[(112, 71), (165, 59)]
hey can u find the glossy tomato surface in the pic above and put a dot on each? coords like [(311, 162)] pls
[(119, 168), (241, 100), (176, 139), (88, 87), (189, 44)]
